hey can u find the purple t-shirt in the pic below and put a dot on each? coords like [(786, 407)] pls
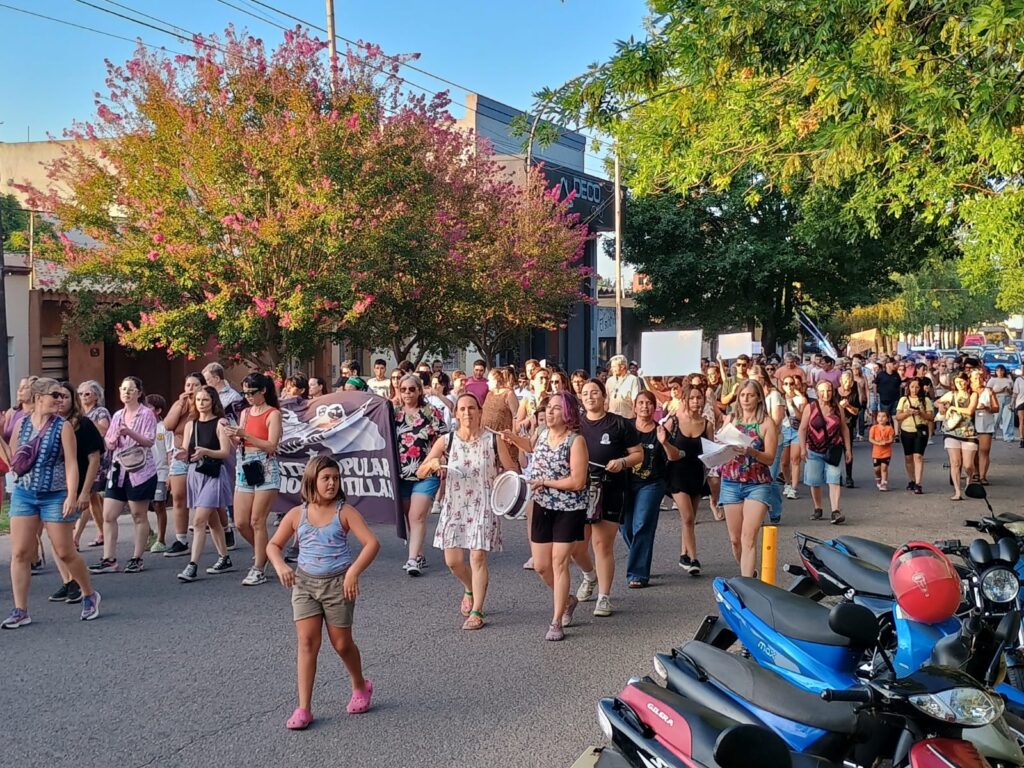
[(477, 388), (829, 376)]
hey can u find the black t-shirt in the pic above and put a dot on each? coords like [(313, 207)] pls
[(610, 437), (888, 386), (89, 441), (655, 459)]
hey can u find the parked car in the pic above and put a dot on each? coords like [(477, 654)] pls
[(990, 358)]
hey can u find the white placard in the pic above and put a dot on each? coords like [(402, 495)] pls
[(756, 348), (902, 348), (732, 345), (670, 353)]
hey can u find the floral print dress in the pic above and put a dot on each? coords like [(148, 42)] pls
[(416, 434), (467, 521)]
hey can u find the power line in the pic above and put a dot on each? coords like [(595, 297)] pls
[(407, 65), (87, 28)]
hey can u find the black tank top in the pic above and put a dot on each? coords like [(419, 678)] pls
[(690, 446), (204, 434)]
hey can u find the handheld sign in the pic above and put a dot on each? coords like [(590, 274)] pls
[(670, 353), (732, 345)]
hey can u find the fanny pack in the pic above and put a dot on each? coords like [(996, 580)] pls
[(132, 458), (25, 456)]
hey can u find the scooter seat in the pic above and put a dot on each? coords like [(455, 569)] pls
[(873, 552), (766, 690), (1009, 517), (796, 617), (860, 575)]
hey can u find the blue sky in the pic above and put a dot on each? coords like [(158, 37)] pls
[(505, 50), (502, 49)]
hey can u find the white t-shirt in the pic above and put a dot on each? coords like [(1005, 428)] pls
[(1018, 392), (380, 387), (162, 447), (1001, 386)]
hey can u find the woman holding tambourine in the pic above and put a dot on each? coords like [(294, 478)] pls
[(471, 458), (559, 481)]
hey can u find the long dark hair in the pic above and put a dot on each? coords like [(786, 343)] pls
[(75, 414), (264, 384), (218, 406)]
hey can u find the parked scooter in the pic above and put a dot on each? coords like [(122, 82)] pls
[(652, 727), (843, 730)]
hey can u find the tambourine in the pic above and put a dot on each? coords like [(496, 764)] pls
[(510, 494)]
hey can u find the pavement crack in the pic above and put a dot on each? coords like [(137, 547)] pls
[(207, 735)]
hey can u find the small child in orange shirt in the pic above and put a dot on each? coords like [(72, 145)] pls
[(881, 437)]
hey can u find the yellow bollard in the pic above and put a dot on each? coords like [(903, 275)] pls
[(769, 536)]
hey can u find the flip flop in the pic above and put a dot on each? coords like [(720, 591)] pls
[(97, 542), (475, 621), (300, 720), (360, 701)]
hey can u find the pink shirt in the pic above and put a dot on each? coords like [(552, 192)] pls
[(477, 388)]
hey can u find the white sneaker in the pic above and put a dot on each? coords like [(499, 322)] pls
[(791, 493), (603, 607), (788, 489), (412, 567), (254, 578), (586, 590), (435, 508)]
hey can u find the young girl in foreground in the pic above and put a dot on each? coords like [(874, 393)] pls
[(326, 583)]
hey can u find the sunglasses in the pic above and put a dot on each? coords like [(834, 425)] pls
[(408, 389), (57, 395), (251, 392), (395, 378)]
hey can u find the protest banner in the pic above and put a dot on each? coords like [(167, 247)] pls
[(357, 429)]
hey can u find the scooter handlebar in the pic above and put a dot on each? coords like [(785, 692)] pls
[(857, 695)]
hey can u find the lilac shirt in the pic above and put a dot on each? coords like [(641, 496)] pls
[(478, 388), (830, 376), (144, 422)]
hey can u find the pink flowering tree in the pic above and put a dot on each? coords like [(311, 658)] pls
[(230, 194), (525, 258)]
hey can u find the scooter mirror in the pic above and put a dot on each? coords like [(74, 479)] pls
[(975, 491), (855, 622), (737, 744), (1009, 627)]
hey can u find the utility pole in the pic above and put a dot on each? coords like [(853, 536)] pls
[(332, 45), (5, 360), (618, 258)]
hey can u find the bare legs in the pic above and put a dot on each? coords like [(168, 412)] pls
[(687, 506), (473, 576), (744, 520), (551, 562), (204, 516), (112, 509), (309, 633), (251, 510), (417, 507)]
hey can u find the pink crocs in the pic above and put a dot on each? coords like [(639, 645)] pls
[(300, 720), (360, 701)]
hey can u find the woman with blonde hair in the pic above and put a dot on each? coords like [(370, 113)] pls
[(746, 493)]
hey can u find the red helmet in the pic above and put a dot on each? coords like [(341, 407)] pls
[(924, 582)]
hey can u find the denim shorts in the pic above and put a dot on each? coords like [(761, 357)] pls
[(818, 472), (427, 487), (736, 493), (789, 435), (178, 468), (48, 507), (271, 473)]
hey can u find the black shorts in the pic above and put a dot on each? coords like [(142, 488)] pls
[(556, 526), (128, 492), (880, 462), (914, 442)]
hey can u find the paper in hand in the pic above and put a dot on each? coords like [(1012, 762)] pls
[(729, 435), (715, 454)]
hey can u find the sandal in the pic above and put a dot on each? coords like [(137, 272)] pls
[(837, 517), (475, 620), (300, 720), (956, 498), (637, 584), (360, 701), (97, 542), (716, 510), (467, 603)]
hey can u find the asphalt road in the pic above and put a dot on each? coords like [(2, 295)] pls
[(202, 674)]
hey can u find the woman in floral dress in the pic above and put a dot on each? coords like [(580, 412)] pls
[(418, 425), (470, 457)]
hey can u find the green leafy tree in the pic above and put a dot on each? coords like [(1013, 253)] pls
[(747, 256), (913, 109), (18, 230)]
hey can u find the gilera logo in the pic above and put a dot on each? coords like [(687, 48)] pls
[(665, 718)]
